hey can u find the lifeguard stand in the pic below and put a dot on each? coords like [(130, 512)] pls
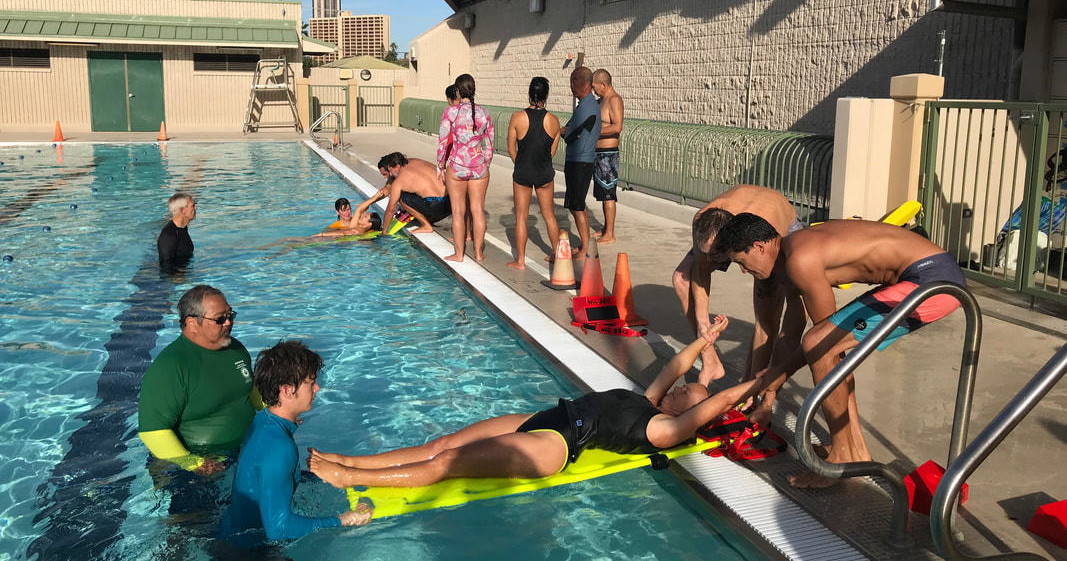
[(275, 86)]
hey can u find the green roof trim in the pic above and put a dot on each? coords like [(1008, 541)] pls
[(122, 28)]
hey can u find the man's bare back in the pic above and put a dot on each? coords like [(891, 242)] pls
[(845, 251), (419, 177), (766, 203)]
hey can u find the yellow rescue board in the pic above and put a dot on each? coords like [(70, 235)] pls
[(391, 501)]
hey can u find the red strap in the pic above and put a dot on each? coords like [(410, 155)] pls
[(610, 327)]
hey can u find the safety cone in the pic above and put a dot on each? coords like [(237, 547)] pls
[(58, 136), (624, 298), (162, 131), (336, 140), (592, 276), (563, 268)]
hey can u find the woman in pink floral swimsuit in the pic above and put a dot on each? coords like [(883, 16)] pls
[(464, 151)]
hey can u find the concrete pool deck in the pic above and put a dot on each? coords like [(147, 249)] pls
[(905, 394)]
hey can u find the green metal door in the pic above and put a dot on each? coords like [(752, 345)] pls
[(126, 91)]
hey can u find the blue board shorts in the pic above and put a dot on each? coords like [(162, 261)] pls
[(605, 174)]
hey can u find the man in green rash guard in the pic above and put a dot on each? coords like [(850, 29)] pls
[(197, 397)]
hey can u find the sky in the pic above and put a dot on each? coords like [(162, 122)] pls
[(407, 18)]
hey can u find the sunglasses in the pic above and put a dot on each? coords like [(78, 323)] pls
[(232, 316)]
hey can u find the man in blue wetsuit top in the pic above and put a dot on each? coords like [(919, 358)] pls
[(581, 134), (267, 469)]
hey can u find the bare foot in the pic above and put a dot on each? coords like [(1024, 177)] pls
[(603, 239), (331, 457), (550, 258), (331, 473), (457, 257), (478, 257), (423, 230), (517, 264), (575, 251)]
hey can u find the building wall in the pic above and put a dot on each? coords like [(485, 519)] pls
[(263, 9), (35, 98), (768, 64), (364, 35), (439, 55)]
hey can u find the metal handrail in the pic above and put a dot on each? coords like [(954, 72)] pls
[(948, 490), (960, 421), (338, 130)]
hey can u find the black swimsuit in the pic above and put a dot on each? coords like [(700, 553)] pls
[(615, 420), (533, 155)]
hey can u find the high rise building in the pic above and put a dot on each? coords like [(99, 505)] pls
[(354, 35), (325, 8)]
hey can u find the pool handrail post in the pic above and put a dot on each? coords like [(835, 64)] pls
[(946, 496), (898, 493)]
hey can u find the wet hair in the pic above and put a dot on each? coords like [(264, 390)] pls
[(341, 203), (742, 231), (375, 221), (465, 89), (178, 201), (452, 93), (392, 159), (538, 90), (288, 363), (707, 224), (602, 76), (191, 304)]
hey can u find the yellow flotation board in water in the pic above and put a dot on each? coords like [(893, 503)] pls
[(398, 223), (391, 501)]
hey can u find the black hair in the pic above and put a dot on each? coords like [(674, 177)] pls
[(742, 231), (392, 159), (465, 88), (707, 224), (191, 304), (288, 363), (538, 90), (375, 221), (452, 93), (341, 203)]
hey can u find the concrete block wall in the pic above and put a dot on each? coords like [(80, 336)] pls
[(768, 64)]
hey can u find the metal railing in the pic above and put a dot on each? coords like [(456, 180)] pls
[(947, 494), (689, 161), (338, 129), (960, 420)]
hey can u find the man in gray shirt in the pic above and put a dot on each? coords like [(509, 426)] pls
[(581, 134)]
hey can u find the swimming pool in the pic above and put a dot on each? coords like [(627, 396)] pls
[(409, 354)]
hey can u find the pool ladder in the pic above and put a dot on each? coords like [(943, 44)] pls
[(962, 462), (338, 129)]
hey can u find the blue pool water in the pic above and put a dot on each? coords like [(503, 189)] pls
[(409, 354)]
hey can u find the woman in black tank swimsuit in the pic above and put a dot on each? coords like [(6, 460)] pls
[(540, 445), (532, 154)]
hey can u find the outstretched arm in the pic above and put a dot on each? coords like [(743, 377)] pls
[(682, 362)]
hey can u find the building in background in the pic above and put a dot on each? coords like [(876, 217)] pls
[(363, 35), (326, 8)]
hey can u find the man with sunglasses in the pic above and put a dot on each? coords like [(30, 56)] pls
[(197, 397)]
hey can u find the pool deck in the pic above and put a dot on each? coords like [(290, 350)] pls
[(1017, 340)]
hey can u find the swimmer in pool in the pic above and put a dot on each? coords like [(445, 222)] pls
[(541, 444), (356, 222)]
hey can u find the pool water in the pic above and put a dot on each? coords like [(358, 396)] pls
[(409, 354)]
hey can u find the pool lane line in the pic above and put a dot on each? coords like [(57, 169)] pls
[(772, 516), (81, 504)]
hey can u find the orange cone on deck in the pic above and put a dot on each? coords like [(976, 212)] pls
[(58, 136), (624, 298), (336, 141), (562, 268), (592, 275), (162, 131)]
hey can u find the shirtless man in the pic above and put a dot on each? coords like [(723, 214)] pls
[(349, 222), (692, 277), (413, 184), (813, 261), (606, 165)]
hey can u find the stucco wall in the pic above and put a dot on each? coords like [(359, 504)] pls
[(772, 64), (441, 54)]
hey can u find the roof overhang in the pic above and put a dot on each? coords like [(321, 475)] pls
[(312, 46), (86, 28)]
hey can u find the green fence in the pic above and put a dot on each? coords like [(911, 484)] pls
[(690, 162), (374, 106), (994, 191), (330, 98)]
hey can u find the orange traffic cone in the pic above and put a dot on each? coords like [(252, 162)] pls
[(162, 131), (336, 141), (592, 276), (58, 136), (624, 298), (563, 268)]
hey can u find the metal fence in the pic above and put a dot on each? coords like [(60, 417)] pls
[(688, 161), (994, 190), (374, 106), (329, 98)]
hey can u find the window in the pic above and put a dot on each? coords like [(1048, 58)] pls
[(24, 58), (224, 62)]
